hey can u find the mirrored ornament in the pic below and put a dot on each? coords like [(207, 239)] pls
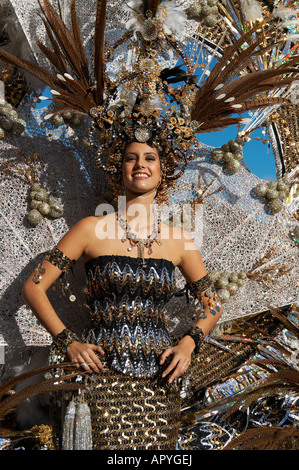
[(142, 134), (261, 189), (34, 217), (223, 295), (275, 205), (44, 208), (56, 210), (149, 30)]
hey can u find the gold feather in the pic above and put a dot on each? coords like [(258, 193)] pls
[(40, 73), (151, 5), (52, 57), (64, 38), (225, 92), (78, 40), (10, 400), (266, 438), (99, 43)]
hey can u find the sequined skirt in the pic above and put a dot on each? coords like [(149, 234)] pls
[(130, 413)]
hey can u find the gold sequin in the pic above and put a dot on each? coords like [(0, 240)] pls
[(130, 413)]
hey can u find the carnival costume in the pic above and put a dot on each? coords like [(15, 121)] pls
[(130, 405)]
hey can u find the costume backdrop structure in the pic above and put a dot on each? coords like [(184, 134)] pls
[(160, 73)]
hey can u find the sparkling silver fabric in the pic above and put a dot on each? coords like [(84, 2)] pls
[(127, 303)]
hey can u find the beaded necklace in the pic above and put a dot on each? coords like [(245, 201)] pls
[(141, 243)]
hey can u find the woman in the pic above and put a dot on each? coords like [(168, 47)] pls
[(135, 398)]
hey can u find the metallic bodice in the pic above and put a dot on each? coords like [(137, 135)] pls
[(127, 303)]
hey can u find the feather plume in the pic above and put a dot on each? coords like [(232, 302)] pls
[(251, 80), (71, 101), (67, 57), (99, 40), (52, 57), (151, 5), (289, 325), (261, 103), (266, 438), (230, 51), (78, 40), (40, 73), (64, 38), (55, 46), (225, 92)]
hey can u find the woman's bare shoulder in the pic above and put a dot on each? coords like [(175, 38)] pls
[(176, 233), (88, 223)]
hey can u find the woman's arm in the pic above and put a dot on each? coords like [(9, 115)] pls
[(72, 245), (195, 273)]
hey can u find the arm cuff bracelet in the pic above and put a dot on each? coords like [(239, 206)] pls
[(63, 340), (197, 335)]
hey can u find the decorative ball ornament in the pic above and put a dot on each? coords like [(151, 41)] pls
[(41, 195), (233, 277), (34, 204), (44, 208), (233, 288), (56, 210), (217, 155), (34, 217), (9, 120), (275, 205), (232, 167), (229, 155), (223, 294), (273, 194), (205, 12), (261, 189), (69, 119), (227, 284), (221, 282)]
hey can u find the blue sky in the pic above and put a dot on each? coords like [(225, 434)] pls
[(257, 156)]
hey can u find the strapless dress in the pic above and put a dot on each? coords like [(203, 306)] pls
[(131, 406)]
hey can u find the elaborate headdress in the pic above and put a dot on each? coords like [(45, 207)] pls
[(143, 100)]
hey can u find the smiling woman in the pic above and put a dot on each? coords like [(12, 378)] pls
[(127, 344), (141, 168)]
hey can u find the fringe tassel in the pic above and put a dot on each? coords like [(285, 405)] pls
[(77, 433), (83, 434), (68, 427)]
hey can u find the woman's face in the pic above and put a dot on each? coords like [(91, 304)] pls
[(141, 170)]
